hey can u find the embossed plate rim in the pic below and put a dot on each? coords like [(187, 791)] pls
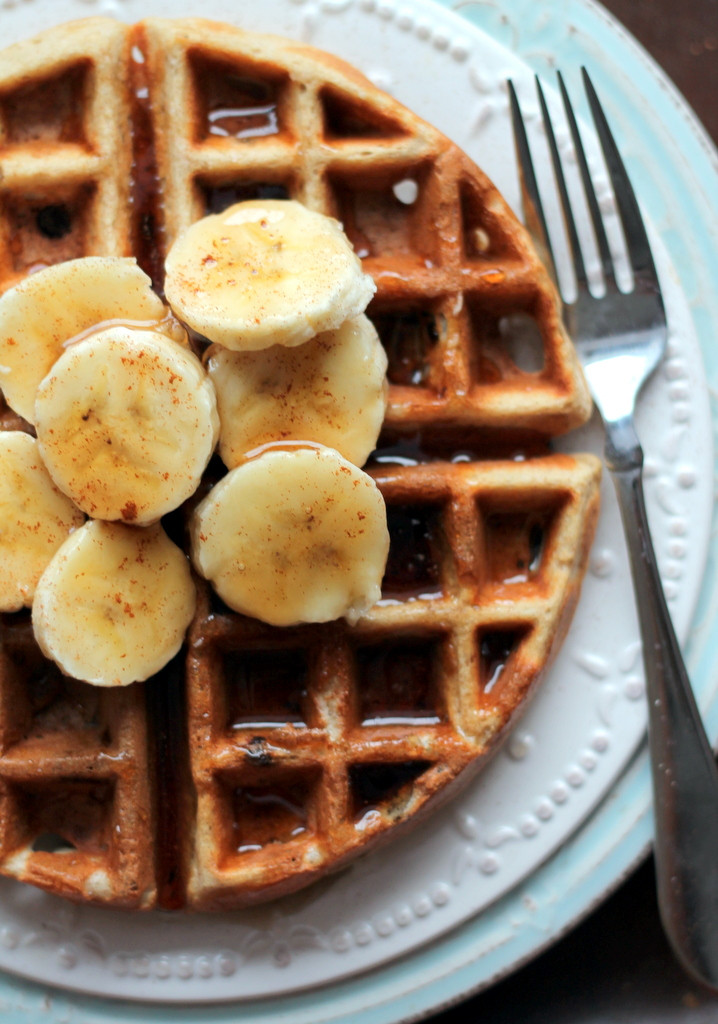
[(337, 1002)]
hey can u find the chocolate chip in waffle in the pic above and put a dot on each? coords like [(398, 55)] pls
[(264, 758)]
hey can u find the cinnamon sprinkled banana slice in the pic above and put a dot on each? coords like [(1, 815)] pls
[(47, 309), (265, 272), (113, 605), (296, 534), (126, 423), (330, 390), (35, 519)]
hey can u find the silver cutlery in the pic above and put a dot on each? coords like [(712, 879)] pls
[(621, 338)]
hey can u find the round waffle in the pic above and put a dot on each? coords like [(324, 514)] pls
[(263, 758)]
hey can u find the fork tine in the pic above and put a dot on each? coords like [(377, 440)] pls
[(639, 251), (573, 239), (589, 191), (533, 207)]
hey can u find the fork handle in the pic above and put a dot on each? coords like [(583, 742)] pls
[(685, 777)]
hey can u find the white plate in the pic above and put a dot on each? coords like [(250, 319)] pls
[(585, 724)]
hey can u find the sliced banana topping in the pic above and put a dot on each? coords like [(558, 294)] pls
[(331, 390), (265, 272), (35, 519), (112, 606), (296, 534), (127, 422), (39, 315)]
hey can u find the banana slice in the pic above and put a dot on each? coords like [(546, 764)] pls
[(332, 390), (35, 519), (113, 605), (127, 422), (296, 534), (39, 315), (265, 272)]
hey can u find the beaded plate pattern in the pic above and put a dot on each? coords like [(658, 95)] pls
[(548, 779)]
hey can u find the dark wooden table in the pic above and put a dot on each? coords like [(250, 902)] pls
[(616, 968)]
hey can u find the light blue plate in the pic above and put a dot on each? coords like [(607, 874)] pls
[(675, 169)]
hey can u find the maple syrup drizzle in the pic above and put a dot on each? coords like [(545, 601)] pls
[(495, 648), (455, 446), (169, 745), (165, 697), (373, 784), (266, 689), (413, 566), (235, 105), (268, 816), (146, 187), (248, 122), (408, 337), (397, 686), (515, 544)]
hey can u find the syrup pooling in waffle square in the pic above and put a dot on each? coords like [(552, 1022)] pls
[(263, 758)]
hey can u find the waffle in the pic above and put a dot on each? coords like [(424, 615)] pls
[(263, 758)]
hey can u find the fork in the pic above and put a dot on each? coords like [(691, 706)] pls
[(621, 338)]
